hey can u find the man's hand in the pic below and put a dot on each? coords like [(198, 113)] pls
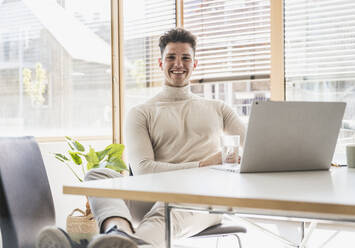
[(212, 160)]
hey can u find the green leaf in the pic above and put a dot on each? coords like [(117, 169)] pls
[(70, 146), (92, 158), (79, 146), (90, 166), (114, 160), (75, 157), (101, 154), (69, 141), (74, 144), (61, 157), (115, 151), (116, 164)]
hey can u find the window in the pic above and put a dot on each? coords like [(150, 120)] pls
[(320, 58), (144, 22), (233, 50), (55, 76), (55, 68)]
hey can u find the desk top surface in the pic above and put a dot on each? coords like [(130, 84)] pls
[(324, 192)]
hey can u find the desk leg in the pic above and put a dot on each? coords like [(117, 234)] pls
[(168, 239), (311, 228)]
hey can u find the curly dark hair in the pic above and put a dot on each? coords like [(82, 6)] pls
[(177, 35)]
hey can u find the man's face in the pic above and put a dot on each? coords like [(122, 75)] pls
[(177, 63)]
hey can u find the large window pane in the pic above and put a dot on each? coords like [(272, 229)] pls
[(233, 50), (144, 22), (55, 67), (320, 56)]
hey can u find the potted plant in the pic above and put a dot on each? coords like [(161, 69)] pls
[(78, 158)]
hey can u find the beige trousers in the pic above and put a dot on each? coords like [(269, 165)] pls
[(147, 218)]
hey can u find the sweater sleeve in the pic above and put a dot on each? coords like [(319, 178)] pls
[(232, 124), (140, 150)]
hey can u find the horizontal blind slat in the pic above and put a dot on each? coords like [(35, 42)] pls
[(214, 14), (194, 3)]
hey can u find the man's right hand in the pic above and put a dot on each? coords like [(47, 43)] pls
[(212, 160)]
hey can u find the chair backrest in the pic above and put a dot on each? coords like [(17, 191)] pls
[(26, 203)]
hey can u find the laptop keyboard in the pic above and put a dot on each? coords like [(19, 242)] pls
[(227, 168)]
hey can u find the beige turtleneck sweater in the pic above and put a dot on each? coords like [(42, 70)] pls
[(177, 129)]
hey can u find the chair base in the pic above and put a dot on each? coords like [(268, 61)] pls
[(221, 230)]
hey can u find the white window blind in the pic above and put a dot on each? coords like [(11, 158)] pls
[(233, 37), (233, 48), (320, 55), (320, 40), (144, 22)]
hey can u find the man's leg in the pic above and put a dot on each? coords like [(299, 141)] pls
[(184, 224), (115, 216), (152, 227), (109, 211)]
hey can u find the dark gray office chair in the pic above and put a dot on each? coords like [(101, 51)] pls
[(26, 204), (216, 231)]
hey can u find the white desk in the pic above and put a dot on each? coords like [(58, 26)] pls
[(320, 195)]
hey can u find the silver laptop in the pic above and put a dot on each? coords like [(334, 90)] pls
[(291, 136)]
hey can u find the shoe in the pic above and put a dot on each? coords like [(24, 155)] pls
[(53, 237), (115, 238)]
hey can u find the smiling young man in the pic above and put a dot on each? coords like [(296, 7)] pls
[(174, 130), (177, 63), (177, 129)]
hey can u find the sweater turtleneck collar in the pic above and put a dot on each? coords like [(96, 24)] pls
[(176, 93)]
